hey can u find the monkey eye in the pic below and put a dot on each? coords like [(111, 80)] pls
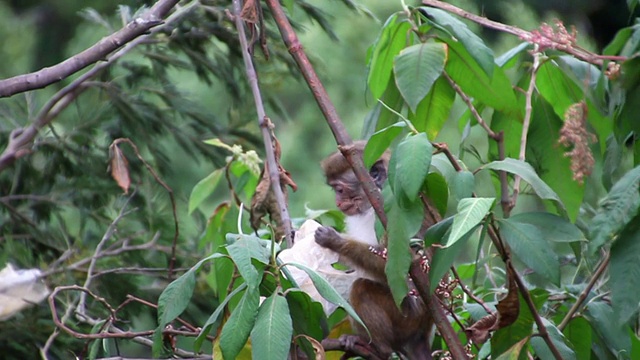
[(338, 189)]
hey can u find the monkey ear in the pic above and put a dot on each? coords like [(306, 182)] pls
[(379, 173)]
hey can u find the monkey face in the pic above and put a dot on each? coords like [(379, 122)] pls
[(350, 197)]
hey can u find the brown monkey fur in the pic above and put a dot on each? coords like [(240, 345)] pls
[(405, 330)]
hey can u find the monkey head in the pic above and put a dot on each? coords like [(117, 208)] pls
[(350, 196)]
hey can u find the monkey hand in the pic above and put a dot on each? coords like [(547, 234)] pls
[(328, 237)]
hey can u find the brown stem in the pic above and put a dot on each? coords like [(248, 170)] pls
[(421, 281), (579, 53), (272, 165), (522, 287), (345, 144), (583, 295)]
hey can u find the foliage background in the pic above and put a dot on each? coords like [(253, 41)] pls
[(73, 199)]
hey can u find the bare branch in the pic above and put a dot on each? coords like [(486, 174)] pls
[(345, 144), (272, 165), (47, 76)]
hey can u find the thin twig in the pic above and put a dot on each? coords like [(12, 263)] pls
[(176, 234), (467, 100), (583, 295), (272, 165), (527, 119), (111, 229), (528, 36), (469, 293)]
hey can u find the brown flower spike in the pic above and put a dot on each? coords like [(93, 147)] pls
[(574, 133)]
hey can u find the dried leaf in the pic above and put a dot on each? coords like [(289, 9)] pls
[(120, 169), (508, 310)]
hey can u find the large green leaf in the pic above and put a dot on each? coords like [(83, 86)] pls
[(614, 333), (236, 330), (557, 88), (271, 335), (526, 172), (204, 188), (380, 141), (557, 338), (514, 352), (240, 252), (463, 184), (175, 297), (433, 111), (471, 212), (543, 155), (436, 190), (578, 332), (624, 271), (206, 328), (307, 314), (480, 52), (552, 227), (616, 210), (392, 39), (413, 156), (443, 258), (495, 91), (401, 225), (327, 291), (530, 247), (385, 115), (417, 68)]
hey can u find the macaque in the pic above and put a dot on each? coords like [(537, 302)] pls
[(402, 330)]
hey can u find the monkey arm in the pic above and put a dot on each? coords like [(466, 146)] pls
[(358, 254)]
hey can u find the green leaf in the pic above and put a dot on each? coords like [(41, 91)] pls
[(417, 68), (382, 116), (529, 246), (616, 210), (526, 172), (514, 352), (507, 59), (471, 212), (543, 154), (203, 189), (240, 253), (206, 328), (307, 314), (557, 338), (602, 320), (552, 227), (236, 330), (443, 258), (413, 156), (433, 111), (175, 297), (436, 190), (482, 54), (392, 39), (463, 184), (380, 142), (578, 333), (327, 291), (271, 335), (398, 255), (495, 91), (624, 271)]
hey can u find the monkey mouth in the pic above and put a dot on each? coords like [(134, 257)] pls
[(348, 209)]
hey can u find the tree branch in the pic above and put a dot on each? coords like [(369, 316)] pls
[(47, 76), (265, 124), (345, 144)]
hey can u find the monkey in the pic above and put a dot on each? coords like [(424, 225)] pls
[(403, 330)]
